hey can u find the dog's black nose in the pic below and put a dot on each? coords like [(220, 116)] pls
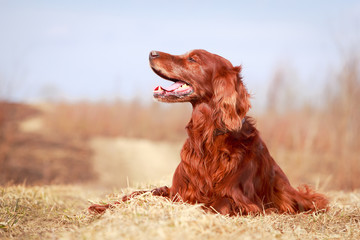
[(153, 54)]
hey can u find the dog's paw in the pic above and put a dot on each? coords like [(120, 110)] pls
[(98, 209)]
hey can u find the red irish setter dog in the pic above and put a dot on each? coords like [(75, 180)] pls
[(225, 164)]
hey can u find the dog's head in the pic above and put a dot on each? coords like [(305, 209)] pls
[(202, 77)]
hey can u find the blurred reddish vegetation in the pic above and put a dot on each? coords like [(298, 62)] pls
[(36, 159), (119, 118), (311, 142), (321, 139)]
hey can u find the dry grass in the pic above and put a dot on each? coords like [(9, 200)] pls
[(38, 212), (121, 162), (59, 212)]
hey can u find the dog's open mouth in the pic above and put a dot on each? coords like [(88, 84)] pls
[(178, 89)]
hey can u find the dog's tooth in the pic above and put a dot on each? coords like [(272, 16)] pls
[(158, 89)]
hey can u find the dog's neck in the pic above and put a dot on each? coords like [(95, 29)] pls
[(202, 128)]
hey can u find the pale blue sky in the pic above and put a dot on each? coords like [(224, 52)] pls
[(99, 49)]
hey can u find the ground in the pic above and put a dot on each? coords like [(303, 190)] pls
[(60, 212)]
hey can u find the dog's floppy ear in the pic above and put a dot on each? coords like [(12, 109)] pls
[(231, 99)]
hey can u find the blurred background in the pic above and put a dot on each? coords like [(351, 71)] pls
[(76, 89)]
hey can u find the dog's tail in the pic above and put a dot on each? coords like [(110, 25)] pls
[(307, 200)]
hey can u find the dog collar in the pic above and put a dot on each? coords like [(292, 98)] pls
[(218, 132)]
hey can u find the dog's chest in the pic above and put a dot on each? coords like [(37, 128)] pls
[(207, 170)]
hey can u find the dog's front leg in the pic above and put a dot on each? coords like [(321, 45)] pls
[(101, 208)]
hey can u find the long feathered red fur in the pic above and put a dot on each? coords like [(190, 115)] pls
[(224, 165)]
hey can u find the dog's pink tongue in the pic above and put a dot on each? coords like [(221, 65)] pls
[(174, 86)]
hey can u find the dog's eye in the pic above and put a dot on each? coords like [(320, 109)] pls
[(191, 59)]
